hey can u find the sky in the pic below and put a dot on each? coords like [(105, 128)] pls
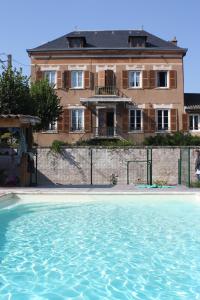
[(25, 24)]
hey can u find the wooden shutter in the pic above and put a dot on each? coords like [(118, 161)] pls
[(88, 120), (152, 75), (125, 79), (146, 81), (59, 80), (152, 121), (101, 78), (67, 120), (173, 116), (173, 79), (125, 118), (60, 123), (39, 75), (149, 123), (66, 79), (87, 81), (185, 122)]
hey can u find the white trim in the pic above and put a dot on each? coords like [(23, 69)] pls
[(162, 67), (83, 79), (169, 120), (135, 67), (75, 67), (156, 83), (162, 106), (77, 106), (104, 100), (137, 106), (141, 79), (83, 121), (129, 121), (194, 130), (55, 83), (103, 67), (50, 67)]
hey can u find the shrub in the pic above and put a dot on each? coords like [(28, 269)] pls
[(56, 146), (176, 139), (105, 142)]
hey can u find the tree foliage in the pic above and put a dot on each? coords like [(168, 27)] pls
[(46, 103), (17, 96), (14, 92)]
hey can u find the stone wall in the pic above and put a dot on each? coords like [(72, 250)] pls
[(81, 165)]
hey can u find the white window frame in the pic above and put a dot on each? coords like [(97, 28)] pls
[(193, 115), (140, 82), (169, 120), (83, 120), (77, 87), (50, 72), (141, 120), (162, 87)]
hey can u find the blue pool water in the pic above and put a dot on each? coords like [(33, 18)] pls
[(101, 247)]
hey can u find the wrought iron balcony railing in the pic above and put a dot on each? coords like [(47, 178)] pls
[(106, 90)]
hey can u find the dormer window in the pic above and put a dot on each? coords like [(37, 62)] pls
[(76, 41), (137, 41)]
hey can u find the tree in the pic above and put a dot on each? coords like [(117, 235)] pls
[(46, 103), (14, 92)]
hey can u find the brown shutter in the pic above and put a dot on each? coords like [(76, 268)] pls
[(185, 122), (87, 81), (146, 79), (152, 121), (173, 79), (67, 120), (152, 75), (125, 79), (66, 79), (59, 80), (125, 120), (88, 120), (149, 124), (39, 75), (101, 78), (173, 116), (60, 123)]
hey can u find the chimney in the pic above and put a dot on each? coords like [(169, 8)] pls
[(174, 41)]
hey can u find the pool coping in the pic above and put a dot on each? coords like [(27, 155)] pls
[(88, 190)]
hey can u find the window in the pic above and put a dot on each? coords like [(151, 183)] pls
[(51, 77), (194, 122), (134, 79), (77, 119), (135, 120), (162, 119), (162, 79), (77, 79), (53, 126)]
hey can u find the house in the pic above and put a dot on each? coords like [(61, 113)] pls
[(191, 121), (123, 83)]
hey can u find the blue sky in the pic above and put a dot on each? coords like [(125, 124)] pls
[(29, 23)]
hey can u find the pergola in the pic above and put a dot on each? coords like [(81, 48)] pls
[(25, 124)]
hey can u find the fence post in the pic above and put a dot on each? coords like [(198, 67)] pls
[(91, 165), (188, 181), (179, 171)]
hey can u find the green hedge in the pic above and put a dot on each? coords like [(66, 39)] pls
[(176, 139)]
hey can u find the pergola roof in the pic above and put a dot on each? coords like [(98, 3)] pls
[(11, 120)]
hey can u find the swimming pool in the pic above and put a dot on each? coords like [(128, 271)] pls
[(100, 247)]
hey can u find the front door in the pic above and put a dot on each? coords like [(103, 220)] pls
[(110, 123)]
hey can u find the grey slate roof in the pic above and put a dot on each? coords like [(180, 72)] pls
[(192, 99), (108, 39)]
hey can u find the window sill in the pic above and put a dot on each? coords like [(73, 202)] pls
[(162, 88), (77, 88), (135, 131), (77, 131), (135, 88), (50, 131), (194, 130), (163, 131)]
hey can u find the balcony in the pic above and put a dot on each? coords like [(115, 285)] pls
[(106, 91)]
